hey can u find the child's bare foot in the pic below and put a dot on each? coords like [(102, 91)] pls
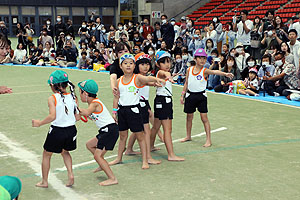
[(42, 184), (109, 182), (97, 170), (70, 182), (153, 161), (145, 166), (187, 139), (132, 153), (114, 162), (207, 144), (175, 158), (155, 149)]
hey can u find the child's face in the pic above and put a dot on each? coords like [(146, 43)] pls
[(83, 96), (224, 48), (144, 68), (166, 66), (83, 56), (252, 76), (127, 66), (200, 61), (3, 52)]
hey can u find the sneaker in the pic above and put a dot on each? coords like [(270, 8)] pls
[(257, 95), (276, 94)]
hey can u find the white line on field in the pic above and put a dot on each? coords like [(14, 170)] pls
[(17, 151), (35, 92), (159, 144), (250, 99)]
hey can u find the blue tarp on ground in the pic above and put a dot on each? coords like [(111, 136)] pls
[(268, 98)]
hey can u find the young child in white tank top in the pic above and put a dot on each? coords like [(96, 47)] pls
[(63, 113), (108, 129), (194, 94), (128, 102)]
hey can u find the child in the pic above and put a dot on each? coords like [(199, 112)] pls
[(143, 62), (129, 113), (194, 95), (163, 107), (62, 133), (84, 61), (108, 129), (251, 84)]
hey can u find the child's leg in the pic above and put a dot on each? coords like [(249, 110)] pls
[(242, 91), (99, 157), (121, 148), (155, 128), (91, 145), (250, 92), (45, 169), (189, 123), (206, 124), (151, 119), (167, 126), (141, 140), (68, 162), (129, 150), (147, 139)]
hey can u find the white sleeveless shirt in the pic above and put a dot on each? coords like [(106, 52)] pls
[(102, 118), (129, 93), (165, 90), (144, 92), (196, 82), (62, 118)]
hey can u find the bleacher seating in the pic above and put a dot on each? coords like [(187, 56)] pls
[(226, 9)]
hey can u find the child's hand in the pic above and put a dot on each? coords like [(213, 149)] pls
[(182, 100), (229, 75), (160, 82), (115, 117), (171, 79), (116, 92), (36, 123)]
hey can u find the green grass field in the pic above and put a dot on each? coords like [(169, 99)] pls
[(254, 156)]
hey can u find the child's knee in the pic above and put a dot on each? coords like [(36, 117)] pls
[(190, 117)]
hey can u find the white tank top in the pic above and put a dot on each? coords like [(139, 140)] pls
[(62, 118), (196, 82), (129, 93), (165, 90), (144, 92), (103, 117)]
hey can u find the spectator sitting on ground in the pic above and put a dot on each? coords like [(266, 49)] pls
[(284, 77), (19, 55), (97, 58), (69, 56), (137, 39), (84, 62)]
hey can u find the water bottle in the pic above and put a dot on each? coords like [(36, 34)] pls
[(234, 88)]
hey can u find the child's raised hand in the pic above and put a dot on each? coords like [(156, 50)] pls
[(171, 79), (229, 75), (35, 123)]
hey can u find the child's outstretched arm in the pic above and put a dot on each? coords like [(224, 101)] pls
[(50, 118), (184, 90), (165, 75), (149, 80), (92, 108), (217, 72)]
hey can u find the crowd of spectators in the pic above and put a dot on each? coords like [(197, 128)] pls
[(263, 54)]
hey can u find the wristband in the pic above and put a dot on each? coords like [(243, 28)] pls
[(183, 92), (115, 109), (114, 112)]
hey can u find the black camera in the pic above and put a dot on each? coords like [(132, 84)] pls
[(238, 19)]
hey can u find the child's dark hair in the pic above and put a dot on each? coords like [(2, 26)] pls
[(142, 61), (89, 94), (162, 60), (64, 85), (83, 53)]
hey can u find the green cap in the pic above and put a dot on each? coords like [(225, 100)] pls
[(4, 194), (58, 76), (89, 86), (12, 184)]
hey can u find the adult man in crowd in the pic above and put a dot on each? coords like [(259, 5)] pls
[(3, 29), (243, 29), (146, 29), (59, 27), (284, 77), (45, 38), (69, 56), (167, 32), (294, 45)]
